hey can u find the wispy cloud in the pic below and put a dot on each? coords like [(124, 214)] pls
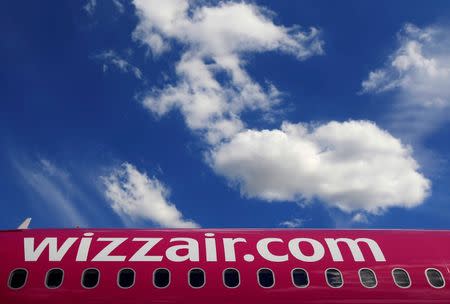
[(54, 187), (90, 6), (294, 223), (418, 72), (119, 6), (360, 218), (134, 196), (111, 58)]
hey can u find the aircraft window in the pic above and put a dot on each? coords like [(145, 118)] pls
[(54, 278), (231, 278), (17, 278), (300, 277), (196, 278), (90, 278), (401, 278), (126, 278), (367, 278), (435, 278), (161, 278), (334, 278), (266, 278)]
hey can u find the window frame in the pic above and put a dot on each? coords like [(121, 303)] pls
[(10, 277), (46, 278), (326, 278), (134, 277), (407, 273), (82, 277), (292, 277), (374, 274), (153, 276), (239, 277), (273, 276), (428, 280), (204, 277)]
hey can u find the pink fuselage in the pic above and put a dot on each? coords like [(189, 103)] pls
[(214, 250)]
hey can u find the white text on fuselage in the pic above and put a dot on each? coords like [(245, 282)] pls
[(183, 249)]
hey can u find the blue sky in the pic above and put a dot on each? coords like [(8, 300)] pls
[(225, 114)]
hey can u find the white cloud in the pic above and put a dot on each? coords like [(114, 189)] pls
[(90, 6), (419, 72), (352, 165), (133, 195), (378, 81), (119, 6), (360, 218), (294, 223), (420, 67), (213, 87), (52, 170), (112, 58)]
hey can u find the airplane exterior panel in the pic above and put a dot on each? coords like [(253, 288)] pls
[(214, 250)]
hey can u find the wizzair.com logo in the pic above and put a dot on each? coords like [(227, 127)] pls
[(183, 249)]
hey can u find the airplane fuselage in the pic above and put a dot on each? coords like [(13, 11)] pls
[(224, 266)]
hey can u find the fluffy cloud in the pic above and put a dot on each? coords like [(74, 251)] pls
[(111, 58), (213, 87), (352, 165), (418, 72), (133, 195)]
